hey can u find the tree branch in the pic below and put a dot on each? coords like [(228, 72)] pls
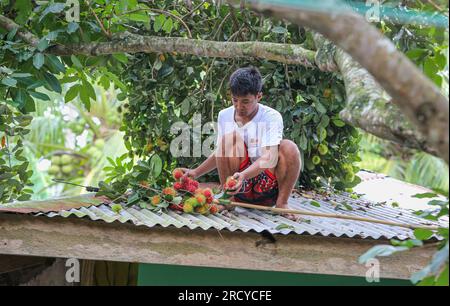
[(415, 95), (368, 107), (26, 36), (133, 43)]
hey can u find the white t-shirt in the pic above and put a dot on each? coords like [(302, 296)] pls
[(265, 129)]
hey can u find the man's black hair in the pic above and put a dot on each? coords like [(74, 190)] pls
[(246, 81)]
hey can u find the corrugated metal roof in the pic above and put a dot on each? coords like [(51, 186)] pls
[(245, 220), (394, 191)]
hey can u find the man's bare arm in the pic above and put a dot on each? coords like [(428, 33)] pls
[(268, 160), (207, 166)]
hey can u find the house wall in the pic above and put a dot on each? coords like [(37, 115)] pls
[(171, 275)]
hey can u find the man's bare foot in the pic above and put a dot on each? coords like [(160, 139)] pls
[(289, 216)]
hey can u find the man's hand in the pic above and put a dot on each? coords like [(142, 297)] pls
[(239, 176), (188, 173)]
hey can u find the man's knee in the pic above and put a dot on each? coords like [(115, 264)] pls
[(289, 150)]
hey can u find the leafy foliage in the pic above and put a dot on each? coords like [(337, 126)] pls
[(14, 173), (436, 273), (168, 88)]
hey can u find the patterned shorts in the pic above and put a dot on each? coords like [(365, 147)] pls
[(261, 189)]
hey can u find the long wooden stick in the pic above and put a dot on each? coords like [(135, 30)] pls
[(315, 214)]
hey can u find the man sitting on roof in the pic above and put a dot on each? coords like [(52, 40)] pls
[(251, 148)]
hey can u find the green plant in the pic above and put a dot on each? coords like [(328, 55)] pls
[(168, 88), (14, 172), (436, 272)]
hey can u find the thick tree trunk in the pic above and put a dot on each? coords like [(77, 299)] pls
[(415, 95), (368, 105)]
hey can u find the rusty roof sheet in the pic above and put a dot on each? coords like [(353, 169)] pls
[(245, 220)]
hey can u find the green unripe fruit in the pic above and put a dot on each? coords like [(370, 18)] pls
[(323, 149), (54, 169), (56, 160), (99, 143), (316, 160), (187, 208), (66, 159), (349, 176), (92, 151), (117, 208), (309, 165), (67, 169)]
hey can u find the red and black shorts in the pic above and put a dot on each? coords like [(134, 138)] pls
[(261, 189)]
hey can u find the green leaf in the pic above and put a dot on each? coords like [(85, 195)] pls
[(53, 8), (422, 234), (303, 142), (39, 95), (319, 107), (29, 106), (442, 280), (38, 60), (23, 8), (165, 71), (72, 93), (155, 165), (185, 105), (284, 226), (55, 63), (105, 82), (72, 27), (279, 30), (6, 176), (381, 250), (9, 82), (121, 57), (440, 61), (168, 25), (43, 44), (20, 75), (159, 22), (139, 17), (338, 122), (133, 199), (431, 69), (76, 62), (314, 203), (84, 96), (425, 195), (157, 65), (53, 82), (415, 54), (90, 90)]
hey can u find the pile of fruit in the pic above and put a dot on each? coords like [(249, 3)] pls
[(62, 166), (185, 195)]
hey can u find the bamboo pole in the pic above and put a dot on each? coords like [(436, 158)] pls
[(324, 215)]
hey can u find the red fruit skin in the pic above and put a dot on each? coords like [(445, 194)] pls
[(176, 207), (191, 189), (207, 193), (230, 183), (177, 174), (209, 200), (195, 184), (177, 186), (213, 209)]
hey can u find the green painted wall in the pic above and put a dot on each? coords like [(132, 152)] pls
[(166, 275)]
